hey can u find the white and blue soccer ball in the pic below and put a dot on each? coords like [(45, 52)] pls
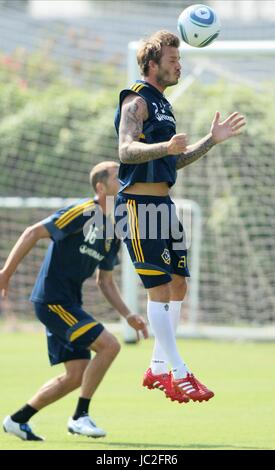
[(198, 25)]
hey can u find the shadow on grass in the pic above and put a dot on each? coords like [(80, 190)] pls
[(144, 446)]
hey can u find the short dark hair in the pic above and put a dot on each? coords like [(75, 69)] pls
[(100, 173), (151, 49)]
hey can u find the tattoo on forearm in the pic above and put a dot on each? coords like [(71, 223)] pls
[(142, 153), (197, 152), (131, 150)]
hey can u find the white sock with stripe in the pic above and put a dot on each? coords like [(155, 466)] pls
[(161, 326)]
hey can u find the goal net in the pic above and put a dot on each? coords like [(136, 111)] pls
[(59, 79)]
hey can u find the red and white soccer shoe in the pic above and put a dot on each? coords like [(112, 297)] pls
[(163, 382), (192, 388)]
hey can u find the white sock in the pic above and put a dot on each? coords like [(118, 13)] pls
[(174, 312), (161, 325), (159, 362)]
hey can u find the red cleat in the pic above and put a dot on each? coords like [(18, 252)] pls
[(163, 382), (159, 381), (174, 395), (204, 388), (192, 388)]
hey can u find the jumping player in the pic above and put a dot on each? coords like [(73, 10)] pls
[(151, 152)]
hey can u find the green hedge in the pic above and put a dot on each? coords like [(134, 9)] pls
[(50, 139)]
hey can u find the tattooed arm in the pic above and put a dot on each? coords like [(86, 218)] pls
[(219, 132), (194, 152), (133, 114)]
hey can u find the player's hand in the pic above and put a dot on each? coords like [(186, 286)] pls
[(139, 324), (177, 144), (230, 127), (4, 284)]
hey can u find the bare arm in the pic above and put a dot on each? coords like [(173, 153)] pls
[(219, 132), (133, 114), (195, 151), (22, 247), (108, 287)]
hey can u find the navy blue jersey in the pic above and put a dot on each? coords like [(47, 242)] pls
[(159, 127), (79, 245)]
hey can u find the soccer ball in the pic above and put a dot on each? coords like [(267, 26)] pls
[(198, 25)]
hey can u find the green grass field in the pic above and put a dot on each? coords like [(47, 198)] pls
[(241, 416)]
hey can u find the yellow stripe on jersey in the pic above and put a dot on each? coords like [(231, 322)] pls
[(82, 330), (141, 136), (137, 87), (64, 317), (137, 231), (132, 230), (69, 216), (149, 272), (133, 87), (66, 218), (72, 213)]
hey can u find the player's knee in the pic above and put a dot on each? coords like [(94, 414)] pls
[(178, 288), (74, 381), (112, 347), (74, 378), (106, 343)]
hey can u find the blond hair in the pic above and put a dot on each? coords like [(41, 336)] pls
[(100, 172), (151, 49)]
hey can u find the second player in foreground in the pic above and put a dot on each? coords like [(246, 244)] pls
[(80, 246)]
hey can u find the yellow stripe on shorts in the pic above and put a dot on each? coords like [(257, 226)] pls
[(149, 272), (68, 314), (82, 330), (137, 231), (63, 316), (132, 230)]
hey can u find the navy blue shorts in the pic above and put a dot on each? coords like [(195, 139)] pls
[(154, 237), (70, 331)]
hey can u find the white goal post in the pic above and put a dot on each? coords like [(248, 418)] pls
[(216, 49)]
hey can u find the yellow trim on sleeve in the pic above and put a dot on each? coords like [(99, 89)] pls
[(74, 212), (70, 212), (137, 87), (141, 85), (133, 87)]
